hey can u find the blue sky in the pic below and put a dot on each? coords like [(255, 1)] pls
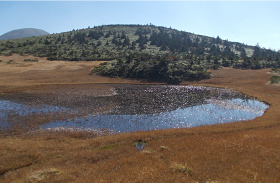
[(248, 22)]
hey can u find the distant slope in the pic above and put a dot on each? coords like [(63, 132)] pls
[(21, 33), (141, 50)]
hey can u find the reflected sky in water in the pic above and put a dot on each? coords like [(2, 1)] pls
[(11, 111), (205, 114), (144, 107)]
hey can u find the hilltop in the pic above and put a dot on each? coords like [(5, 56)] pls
[(21, 33), (145, 51)]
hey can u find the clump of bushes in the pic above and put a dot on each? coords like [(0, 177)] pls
[(149, 67), (7, 53), (31, 60), (275, 79), (216, 66)]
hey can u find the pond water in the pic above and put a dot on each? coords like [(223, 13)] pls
[(146, 107), (11, 112)]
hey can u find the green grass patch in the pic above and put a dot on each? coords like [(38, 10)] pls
[(275, 70), (275, 79)]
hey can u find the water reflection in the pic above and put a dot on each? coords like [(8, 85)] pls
[(144, 107), (204, 114), (12, 113)]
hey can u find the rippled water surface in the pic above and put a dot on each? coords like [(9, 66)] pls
[(143, 107)]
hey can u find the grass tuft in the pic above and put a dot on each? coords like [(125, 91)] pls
[(147, 151), (41, 175), (164, 147), (181, 168)]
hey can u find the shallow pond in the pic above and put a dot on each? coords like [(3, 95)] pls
[(146, 107)]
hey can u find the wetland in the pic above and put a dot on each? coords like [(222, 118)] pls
[(128, 108), (245, 151)]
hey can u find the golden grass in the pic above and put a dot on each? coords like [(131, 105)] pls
[(247, 151)]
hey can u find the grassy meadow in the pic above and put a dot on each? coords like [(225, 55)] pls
[(246, 151)]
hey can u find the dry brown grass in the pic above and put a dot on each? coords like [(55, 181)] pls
[(247, 151)]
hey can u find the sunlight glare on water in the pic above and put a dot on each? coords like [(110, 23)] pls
[(144, 107)]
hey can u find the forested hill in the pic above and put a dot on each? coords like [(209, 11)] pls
[(143, 46)]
